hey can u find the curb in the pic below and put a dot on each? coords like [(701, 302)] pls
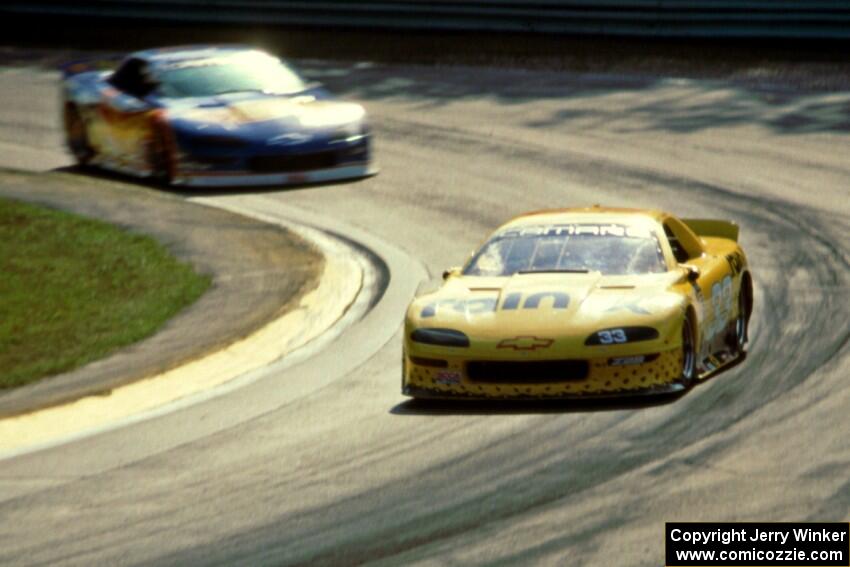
[(339, 286)]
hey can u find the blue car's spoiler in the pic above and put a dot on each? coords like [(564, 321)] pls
[(86, 65)]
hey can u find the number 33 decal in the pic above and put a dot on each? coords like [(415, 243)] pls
[(612, 336)]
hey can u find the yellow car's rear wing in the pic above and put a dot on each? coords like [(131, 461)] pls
[(713, 227)]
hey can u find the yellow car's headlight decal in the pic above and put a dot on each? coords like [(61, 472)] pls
[(440, 337)]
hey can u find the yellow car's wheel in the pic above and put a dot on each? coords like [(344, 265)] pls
[(736, 336), (689, 354), (403, 369), (742, 322)]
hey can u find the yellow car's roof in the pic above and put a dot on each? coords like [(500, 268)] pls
[(585, 214)]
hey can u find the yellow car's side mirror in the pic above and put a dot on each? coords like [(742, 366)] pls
[(451, 272), (691, 272)]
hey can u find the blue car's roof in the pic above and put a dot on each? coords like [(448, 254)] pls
[(163, 55)]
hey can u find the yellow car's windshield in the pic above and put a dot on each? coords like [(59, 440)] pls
[(609, 249)]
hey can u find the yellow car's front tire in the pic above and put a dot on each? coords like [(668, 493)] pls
[(689, 354), (403, 370), (737, 335)]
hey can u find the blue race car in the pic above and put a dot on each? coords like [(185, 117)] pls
[(212, 116)]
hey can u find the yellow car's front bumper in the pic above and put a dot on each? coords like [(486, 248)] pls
[(451, 377)]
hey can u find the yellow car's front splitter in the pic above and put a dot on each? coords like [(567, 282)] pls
[(658, 373)]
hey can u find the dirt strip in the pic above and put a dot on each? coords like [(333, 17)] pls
[(259, 272)]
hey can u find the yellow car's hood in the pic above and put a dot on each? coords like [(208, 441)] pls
[(552, 305)]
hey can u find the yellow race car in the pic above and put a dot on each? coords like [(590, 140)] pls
[(583, 303)]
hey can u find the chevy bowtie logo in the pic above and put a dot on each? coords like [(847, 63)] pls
[(526, 343)]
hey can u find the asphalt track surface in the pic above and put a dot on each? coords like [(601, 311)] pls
[(351, 473)]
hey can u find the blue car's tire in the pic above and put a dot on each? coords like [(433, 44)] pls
[(76, 135), (159, 160)]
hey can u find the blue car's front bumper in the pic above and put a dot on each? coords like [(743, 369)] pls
[(263, 164)]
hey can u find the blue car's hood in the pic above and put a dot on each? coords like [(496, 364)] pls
[(260, 114)]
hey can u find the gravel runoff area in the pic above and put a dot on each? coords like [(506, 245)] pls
[(258, 272)]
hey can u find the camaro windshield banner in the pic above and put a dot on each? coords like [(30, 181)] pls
[(763, 544)]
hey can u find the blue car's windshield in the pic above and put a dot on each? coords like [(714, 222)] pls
[(243, 72), (610, 249)]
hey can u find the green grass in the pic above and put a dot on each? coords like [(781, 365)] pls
[(73, 290)]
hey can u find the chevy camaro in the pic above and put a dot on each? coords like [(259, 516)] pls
[(212, 116), (580, 303)]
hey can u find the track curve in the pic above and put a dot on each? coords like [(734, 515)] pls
[(352, 473)]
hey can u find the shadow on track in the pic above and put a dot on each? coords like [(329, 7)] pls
[(523, 407), (656, 101), (187, 192)]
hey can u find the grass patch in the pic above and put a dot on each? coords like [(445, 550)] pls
[(72, 290)]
